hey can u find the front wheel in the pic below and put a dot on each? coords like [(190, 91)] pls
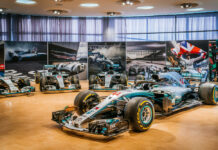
[(140, 113), (85, 101), (42, 84), (209, 93)]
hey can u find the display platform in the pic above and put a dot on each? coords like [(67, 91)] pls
[(26, 123)]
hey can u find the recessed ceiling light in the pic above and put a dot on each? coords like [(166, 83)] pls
[(58, 11), (89, 5), (195, 9), (145, 7), (188, 5), (26, 2), (3, 10)]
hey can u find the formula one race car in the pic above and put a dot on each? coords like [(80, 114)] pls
[(135, 107), (102, 61), (110, 80), (136, 70), (11, 86), (19, 55), (61, 77), (67, 69), (190, 74)]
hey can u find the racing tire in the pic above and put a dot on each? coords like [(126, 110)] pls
[(85, 101), (93, 79), (208, 92), (140, 113), (74, 79), (37, 78), (92, 87), (114, 81), (26, 82), (42, 84), (132, 71), (123, 80), (78, 86), (141, 71), (23, 82)]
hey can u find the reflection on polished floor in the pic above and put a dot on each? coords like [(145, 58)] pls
[(25, 123)]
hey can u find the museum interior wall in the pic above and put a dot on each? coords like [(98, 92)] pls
[(144, 43)]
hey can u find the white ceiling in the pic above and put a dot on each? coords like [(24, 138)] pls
[(160, 7)]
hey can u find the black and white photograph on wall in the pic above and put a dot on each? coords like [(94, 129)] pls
[(74, 53), (25, 57), (2, 61), (106, 56), (145, 58), (190, 58)]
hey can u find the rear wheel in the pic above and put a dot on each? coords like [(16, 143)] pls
[(93, 79), (123, 79), (23, 82), (75, 79), (140, 113), (26, 82), (141, 71), (37, 77), (209, 93), (42, 84), (85, 101), (78, 86)]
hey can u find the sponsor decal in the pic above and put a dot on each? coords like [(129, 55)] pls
[(116, 93)]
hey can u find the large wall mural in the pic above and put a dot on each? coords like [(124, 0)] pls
[(145, 58), (131, 58), (76, 52), (25, 57), (191, 57)]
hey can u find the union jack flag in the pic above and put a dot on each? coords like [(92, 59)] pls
[(186, 48)]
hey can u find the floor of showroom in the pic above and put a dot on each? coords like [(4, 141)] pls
[(25, 123)]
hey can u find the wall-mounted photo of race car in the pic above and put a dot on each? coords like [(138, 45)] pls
[(30, 54), (134, 108), (103, 62), (60, 77), (144, 58), (110, 80), (14, 83)]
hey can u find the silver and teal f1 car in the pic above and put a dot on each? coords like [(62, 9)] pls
[(108, 81), (12, 86), (135, 107), (61, 77)]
